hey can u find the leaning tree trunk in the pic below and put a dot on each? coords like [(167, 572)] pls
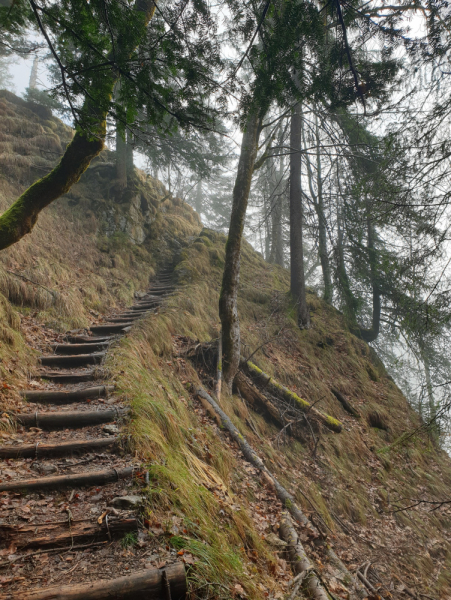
[(296, 221), (22, 216), (228, 307)]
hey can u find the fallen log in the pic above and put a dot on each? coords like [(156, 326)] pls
[(65, 448), (257, 400), (301, 564), (68, 420), (85, 348), (77, 360), (65, 534), (345, 403), (285, 497), (276, 387), (249, 454), (63, 481), (155, 584), (61, 397), (70, 377)]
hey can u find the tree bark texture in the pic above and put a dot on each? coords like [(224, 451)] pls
[(228, 301), (296, 221), (22, 216), (168, 583)]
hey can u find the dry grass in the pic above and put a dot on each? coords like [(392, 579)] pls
[(349, 481), (357, 476)]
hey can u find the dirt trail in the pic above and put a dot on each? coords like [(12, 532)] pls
[(70, 492)]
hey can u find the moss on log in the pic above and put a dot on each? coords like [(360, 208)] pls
[(330, 422)]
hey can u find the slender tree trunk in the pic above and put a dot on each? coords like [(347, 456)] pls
[(228, 309), (296, 221), (322, 224), (121, 159), (198, 205), (21, 217), (318, 202), (276, 256), (369, 335)]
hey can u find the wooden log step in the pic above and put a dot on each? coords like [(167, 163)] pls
[(62, 397), (136, 314), (134, 317), (79, 348), (64, 481), (68, 420), (76, 360), (70, 377), (56, 535), (63, 449), (110, 328), (143, 585), (87, 339), (145, 306)]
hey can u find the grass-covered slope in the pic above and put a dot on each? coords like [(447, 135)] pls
[(353, 485), (90, 252)]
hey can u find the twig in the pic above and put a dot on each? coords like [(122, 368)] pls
[(264, 343), (366, 583), (297, 581), (53, 293)]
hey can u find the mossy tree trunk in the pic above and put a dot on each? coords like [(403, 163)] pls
[(21, 217), (296, 221), (228, 305)]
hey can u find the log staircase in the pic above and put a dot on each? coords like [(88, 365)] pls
[(76, 471)]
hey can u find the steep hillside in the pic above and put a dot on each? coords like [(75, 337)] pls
[(93, 251)]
